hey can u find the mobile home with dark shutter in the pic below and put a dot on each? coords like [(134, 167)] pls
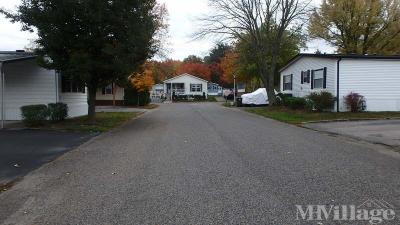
[(377, 78)]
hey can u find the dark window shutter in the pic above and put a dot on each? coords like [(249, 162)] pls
[(308, 76), (325, 71), (103, 91), (302, 77), (312, 79), (291, 82)]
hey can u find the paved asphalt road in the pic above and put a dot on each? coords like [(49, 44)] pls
[(29, 149), (202, 164)]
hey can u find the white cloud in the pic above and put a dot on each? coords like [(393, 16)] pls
[(11, 36)]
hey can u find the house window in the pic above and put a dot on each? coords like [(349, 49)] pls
[(305, 77), (318, 79), (287, 82), (70, 86), (108, 90), (196, 88)]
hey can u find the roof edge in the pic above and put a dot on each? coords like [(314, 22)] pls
[(336, 56), (185, 74)]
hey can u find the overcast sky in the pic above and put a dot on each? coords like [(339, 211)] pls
[(182, 17)]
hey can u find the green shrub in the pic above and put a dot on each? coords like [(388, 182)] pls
[(355, 102), (295, 103), (281, 98), (322, 101), (199, 98), (134, 98), (34, 115), (211, 99), (57, 111)]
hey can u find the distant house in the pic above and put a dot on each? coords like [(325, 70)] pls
[(157, 91), (377, 78), (185, 84), (24, 82), (111, 95), (214, 89)]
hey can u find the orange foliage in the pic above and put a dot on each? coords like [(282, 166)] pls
[(164, 70), (143, 81), (197, 69), (228, 64)]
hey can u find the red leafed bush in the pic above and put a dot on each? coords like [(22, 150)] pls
[(355, 102)]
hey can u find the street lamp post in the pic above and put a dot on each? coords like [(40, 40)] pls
[(234, 89)]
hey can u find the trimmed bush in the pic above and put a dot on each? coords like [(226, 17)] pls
[(134, 98), (280, 98), (321, 101), (295, 103), (34, 115), (57, 111), (355, 102)]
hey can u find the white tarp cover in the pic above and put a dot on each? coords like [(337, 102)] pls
[(259, 97)]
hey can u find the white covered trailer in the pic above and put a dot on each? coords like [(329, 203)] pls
[(259, 97)]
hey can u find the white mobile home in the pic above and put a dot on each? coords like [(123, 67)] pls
[(24, 82), (185, 84), (377, 78)]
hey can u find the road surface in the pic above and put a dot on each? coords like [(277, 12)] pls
[(202, 164)]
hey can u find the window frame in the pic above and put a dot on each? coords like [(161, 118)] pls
[(196, 87), (70, 86), (306, 77), (284, 87), (108, 90), (322, 78)]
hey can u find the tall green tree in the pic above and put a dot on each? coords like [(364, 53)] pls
[(358, 26), (245, 63), (260, 23), (94, 42)]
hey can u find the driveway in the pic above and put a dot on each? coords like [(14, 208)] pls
[(22, 151), (203, 164), (385, 132)]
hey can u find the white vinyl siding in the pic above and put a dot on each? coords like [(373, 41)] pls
[(304, 64), (187, 80), (27, 84), (77, 103), (377, 80)]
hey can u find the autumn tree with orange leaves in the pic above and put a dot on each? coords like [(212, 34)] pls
[(143, 82), (201, 70)]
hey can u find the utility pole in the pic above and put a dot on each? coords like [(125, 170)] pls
[(234, 89), (2, 94)]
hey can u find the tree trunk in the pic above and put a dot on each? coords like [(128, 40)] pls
[(92, 104), (113, 91), (268, 80)]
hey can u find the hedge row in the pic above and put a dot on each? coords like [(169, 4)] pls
[(36, 115)]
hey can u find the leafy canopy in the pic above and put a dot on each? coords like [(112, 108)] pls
[(358, 26)]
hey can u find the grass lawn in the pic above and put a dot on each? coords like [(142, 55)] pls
[(299, 116), (149, 106), (104, 122)]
